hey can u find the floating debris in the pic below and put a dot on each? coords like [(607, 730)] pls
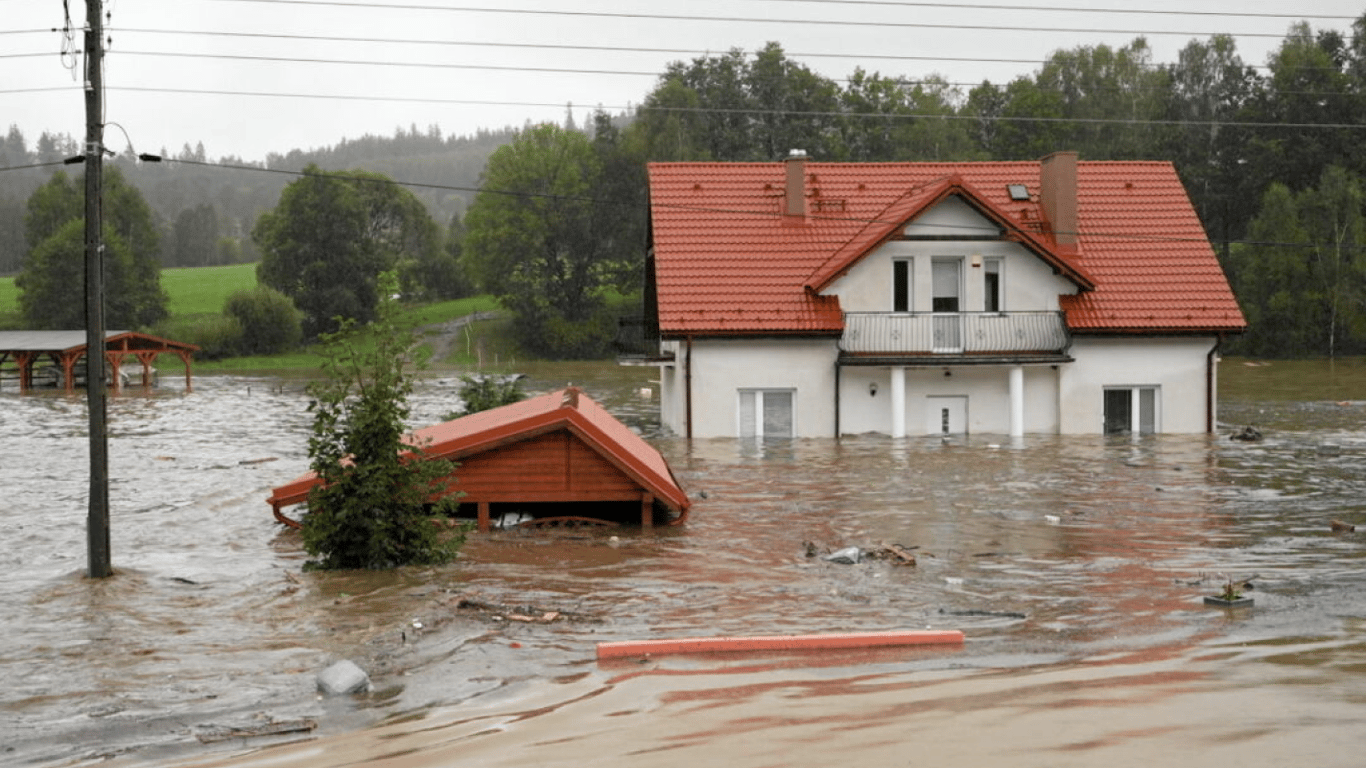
[(215, 733)]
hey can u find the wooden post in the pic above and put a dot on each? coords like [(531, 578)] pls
[(647, 510), (97, 520), (484, 522)]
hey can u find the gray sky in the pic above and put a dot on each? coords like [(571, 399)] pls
[(245, 77)]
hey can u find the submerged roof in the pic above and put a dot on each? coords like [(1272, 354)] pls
[(568, 410), (728, 261), (62, 341)]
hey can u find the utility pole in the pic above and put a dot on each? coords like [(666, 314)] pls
[(97, 523)]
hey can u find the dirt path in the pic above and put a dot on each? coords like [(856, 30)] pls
[(444, 336)]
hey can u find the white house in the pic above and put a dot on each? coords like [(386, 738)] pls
[(819, 299)]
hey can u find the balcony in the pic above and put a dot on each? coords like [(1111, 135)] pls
[(959, 337)]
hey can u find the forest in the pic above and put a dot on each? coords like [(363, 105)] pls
[(1267, 151)]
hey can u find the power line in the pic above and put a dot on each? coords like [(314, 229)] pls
[(1061, 9), (901, 81), (772, 113), (746, 19), (697, 52)]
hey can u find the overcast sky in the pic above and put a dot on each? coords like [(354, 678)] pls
[(249, 77)]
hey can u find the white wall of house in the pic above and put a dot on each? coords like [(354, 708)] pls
[(1029, 283), (671, 383), (986, 387), (1069, 399), (722, 369), (1175, 366)]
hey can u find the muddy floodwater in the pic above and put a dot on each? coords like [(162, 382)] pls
[(1075, 566)]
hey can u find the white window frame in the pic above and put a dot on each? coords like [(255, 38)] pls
[(759, 393), (1136, 407)]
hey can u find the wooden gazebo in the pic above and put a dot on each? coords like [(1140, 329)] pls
[(559, 455), (64, 349)]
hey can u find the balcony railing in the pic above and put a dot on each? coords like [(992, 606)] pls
[(954, 333)]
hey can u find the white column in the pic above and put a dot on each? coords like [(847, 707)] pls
[(1017, 401), (898, 395)]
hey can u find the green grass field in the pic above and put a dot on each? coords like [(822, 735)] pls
[(201, 291), (191, 290)]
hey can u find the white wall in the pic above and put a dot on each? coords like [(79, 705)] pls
[(1029, 282), (986, 387), (721, 368), (1177, 365)]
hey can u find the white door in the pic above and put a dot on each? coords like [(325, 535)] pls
[(946, 415), (947, 276)]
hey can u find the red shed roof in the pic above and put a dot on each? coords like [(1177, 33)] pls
[(564, 410), (729, 262)]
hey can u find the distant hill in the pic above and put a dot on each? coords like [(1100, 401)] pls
[(445, 171)]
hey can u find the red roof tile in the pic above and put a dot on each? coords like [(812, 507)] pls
[(727, 261)]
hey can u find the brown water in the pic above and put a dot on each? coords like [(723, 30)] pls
[(1075, 566)]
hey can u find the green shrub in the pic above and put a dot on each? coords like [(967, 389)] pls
[(217, 336), (270, 322), (374, 506), (483, 392)]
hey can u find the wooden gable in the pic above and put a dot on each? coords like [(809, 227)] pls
[(560, 448)]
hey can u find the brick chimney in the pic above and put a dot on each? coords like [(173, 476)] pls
[(1058, 196), (794, 203)]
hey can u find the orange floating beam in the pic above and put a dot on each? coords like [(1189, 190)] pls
[(779, 642)]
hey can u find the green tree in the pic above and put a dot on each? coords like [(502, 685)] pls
[(375, 506), (332, 234), (1307, 84), (195, 237), (1332, 211), (875, 111), (1210, 89), (1302, 281), (52, 282), (1109, 98), (544, 246), (269, 321), (1272, 277), (52, 285)]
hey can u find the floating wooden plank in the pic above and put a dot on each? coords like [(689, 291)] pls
[(779, 642)]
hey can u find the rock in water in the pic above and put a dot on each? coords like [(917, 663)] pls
[(342, 678)]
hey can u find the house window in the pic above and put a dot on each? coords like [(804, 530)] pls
[(1131, 410), (901, 285), (992, 298), (766, 413), (947, 274)]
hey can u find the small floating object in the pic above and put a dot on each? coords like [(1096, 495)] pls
[(1340, 527), (780, 642), (846, 556), (1052, 519), (1225, 602)]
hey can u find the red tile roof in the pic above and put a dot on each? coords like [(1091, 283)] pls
[(727, 261), (567, 409)]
